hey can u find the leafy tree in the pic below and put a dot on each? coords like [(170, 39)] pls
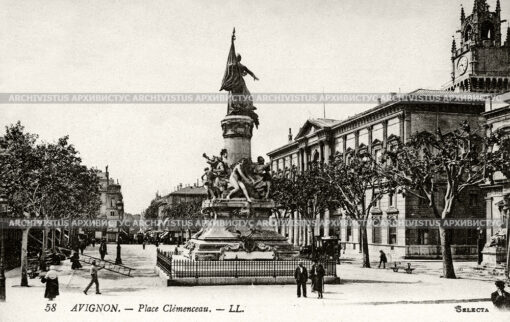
[(44, 180), (439, 167), (184, 210), (303, 191), (152, 211), (357, 184)]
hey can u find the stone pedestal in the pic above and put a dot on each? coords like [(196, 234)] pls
[(237, 133), (239, 230), (494, 255)]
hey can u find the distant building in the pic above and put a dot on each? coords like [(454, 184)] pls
[(189, 193), (112, 206)]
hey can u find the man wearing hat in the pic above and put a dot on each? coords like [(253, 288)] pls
[(501, 298), (301, 276)]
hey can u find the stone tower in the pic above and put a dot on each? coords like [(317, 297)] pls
[(480, 61)]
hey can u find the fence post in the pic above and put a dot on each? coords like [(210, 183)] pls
[(170, 268), (196, 269), (235, 274), (274, 268)]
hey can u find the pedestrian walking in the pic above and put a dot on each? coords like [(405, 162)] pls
[(501, 298), (382, 259), (93, 241), (93, 274), (143, 243), (319, 280), (102, 249), (301, 276), (51, 280)]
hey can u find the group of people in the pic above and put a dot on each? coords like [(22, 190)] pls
[(51, 290), (316, 276)]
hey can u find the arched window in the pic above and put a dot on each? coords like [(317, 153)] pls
[(467, 33), (487, 31)]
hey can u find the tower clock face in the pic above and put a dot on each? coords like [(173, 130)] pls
[(462, 65)]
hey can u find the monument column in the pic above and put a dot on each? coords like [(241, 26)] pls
[(237, 133)]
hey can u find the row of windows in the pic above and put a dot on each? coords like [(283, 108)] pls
[(393, 128), (376, 234)]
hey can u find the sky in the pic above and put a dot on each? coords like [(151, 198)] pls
[(181, 46)]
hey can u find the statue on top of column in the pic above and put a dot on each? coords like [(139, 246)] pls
[(240, 101)]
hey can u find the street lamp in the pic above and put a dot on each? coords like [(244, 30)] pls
[(120, 209), (3, 209), (507, 210)]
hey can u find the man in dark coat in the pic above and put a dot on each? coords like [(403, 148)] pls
[(382, 259), (102, 249), (301, 276), (501, 298), (51, 280)]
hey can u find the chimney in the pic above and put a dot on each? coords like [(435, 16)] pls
[(290, 134), (378, 101)]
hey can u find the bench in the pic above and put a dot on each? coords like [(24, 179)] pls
[(408, 269)]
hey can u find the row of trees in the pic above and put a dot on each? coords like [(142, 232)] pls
[(436, 168), (44, 180)]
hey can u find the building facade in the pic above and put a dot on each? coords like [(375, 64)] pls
[(374, 131), (112, 205), (497, 198), (480, 64), (182, 194)]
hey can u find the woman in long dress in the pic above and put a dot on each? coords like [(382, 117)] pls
[(51, 280), (319, 280)]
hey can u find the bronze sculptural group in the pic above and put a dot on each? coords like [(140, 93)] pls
[(244, 178)]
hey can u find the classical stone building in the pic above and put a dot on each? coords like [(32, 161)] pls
[(497, 197), (112, 206), (481, 62), (375, 130)]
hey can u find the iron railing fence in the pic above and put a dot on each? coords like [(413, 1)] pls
[(183, 268)]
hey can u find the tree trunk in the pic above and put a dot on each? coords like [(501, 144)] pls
[(24, 258), (53, 239), (446, 252), (44, 246), (364, 246)]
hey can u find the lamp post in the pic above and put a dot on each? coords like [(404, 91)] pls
[(120, 209), (507, 210), (3, 209)]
